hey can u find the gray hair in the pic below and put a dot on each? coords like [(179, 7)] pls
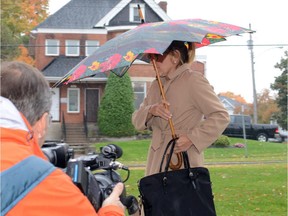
[(27, 88)]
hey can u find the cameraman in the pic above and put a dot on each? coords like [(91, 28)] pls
[(25, 104)]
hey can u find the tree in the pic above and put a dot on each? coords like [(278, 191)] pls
[(18, 18), (280, 85), (267, 106), (21, 16), (8, 50), (116, 107), (24, 56)]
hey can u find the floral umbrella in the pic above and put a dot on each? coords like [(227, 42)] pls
[(119, 53)]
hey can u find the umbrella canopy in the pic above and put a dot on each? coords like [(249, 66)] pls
[(119, 53)]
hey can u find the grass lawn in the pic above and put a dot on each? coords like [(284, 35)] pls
[(246, 182)]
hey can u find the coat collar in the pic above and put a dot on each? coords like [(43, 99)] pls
[(12, 118), (178, 71)]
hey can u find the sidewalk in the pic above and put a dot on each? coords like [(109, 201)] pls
[(230, 163)]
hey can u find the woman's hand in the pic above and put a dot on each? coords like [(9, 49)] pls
[(160, 110), (183, 143)]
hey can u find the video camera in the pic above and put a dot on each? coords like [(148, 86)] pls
[(94, 174), (57, 152)]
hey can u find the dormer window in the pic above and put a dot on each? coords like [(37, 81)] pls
[(134, 13), (72, 47)]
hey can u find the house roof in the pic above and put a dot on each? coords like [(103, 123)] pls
[(232, 103), (89, 14), (122, 4), (61, 65), (79, 14)]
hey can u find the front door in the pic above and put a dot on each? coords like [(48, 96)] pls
[(92, 103)]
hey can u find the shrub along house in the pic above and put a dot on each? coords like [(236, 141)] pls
[(75, 31)]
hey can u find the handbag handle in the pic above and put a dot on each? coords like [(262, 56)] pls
[(172, 143)]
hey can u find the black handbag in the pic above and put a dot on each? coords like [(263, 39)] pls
[(182, 192)]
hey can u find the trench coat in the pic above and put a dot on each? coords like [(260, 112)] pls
[(196, 111)]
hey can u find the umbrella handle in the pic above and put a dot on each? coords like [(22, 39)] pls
[(174, 136), (140, 14)]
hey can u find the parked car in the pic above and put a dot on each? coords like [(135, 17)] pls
[(283, 135), (260, 132)]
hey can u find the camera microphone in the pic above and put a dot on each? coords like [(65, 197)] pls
[(112, 151), (116, 165)]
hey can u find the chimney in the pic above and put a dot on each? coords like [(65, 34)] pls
[(163, 5)]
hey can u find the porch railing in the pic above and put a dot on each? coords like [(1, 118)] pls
[(63, 126), (85, 124)]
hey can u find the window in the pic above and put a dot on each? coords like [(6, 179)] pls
[(72, 47), (134, 13), (51, 47), (139, 89), (73, 105), (91, 46)]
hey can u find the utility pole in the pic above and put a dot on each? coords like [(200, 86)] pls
[(250, 47)]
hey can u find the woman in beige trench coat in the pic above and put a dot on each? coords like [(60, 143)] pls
[(198, 116)]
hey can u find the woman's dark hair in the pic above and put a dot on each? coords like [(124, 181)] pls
[(186, 49)]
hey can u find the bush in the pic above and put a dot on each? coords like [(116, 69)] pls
[(116, 107), (222, 141), (145, 134)]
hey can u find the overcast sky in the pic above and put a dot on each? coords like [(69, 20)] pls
[(229, 67)]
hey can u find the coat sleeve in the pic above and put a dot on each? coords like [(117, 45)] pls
[(139, 117), (111, 211), (216, 117)]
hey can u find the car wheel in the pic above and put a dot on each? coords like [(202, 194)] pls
[(262, 137)]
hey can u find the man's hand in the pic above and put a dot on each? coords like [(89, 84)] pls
[(114, 199)]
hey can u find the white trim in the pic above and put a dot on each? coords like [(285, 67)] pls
[(227, 102), (157, 9), (70, 31), (84, 31), (117, 28), (90, 79), (106, 19)]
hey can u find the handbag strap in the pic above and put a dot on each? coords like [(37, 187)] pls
[(165, 151), (172, 143), (186, 159)]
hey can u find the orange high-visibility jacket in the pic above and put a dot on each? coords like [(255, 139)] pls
[(56, 194)]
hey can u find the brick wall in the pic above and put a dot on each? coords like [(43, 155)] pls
[(42, 60)]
